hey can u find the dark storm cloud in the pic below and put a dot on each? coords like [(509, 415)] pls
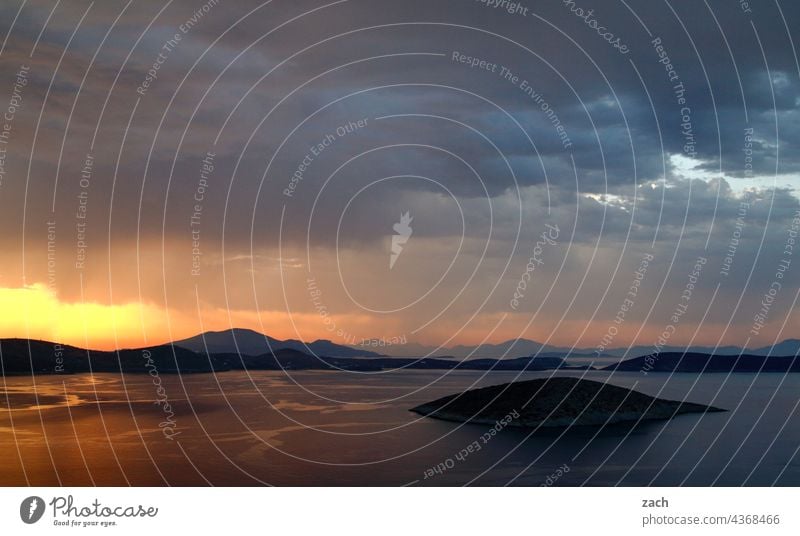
[(595, 92)]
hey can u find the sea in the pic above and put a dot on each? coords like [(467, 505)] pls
[(344, 428)]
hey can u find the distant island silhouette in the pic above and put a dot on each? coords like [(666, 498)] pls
[(697, 362)]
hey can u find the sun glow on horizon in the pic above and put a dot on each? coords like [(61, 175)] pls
[(36, 312)]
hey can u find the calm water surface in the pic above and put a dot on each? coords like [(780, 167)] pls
[(338, 428)]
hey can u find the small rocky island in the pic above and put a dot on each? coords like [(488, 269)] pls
[(555, 402)]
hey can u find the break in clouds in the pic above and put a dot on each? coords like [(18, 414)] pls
[(210, 157)]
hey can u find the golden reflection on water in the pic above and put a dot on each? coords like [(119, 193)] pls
[(261, 428)]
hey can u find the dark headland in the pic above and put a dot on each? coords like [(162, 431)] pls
[(24, 357), (556, 402)]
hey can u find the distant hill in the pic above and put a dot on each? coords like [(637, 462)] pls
[(249, 342), (22, 356), (697, 362), (787, 347)]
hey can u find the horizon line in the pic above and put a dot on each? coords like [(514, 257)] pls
[(566, 348)]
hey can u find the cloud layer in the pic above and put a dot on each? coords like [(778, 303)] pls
[(227, 155)]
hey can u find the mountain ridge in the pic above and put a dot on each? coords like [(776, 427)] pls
[(29, 356), (253, 343), (24, 356)]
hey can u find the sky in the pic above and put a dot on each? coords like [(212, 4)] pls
[(588, 173)]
